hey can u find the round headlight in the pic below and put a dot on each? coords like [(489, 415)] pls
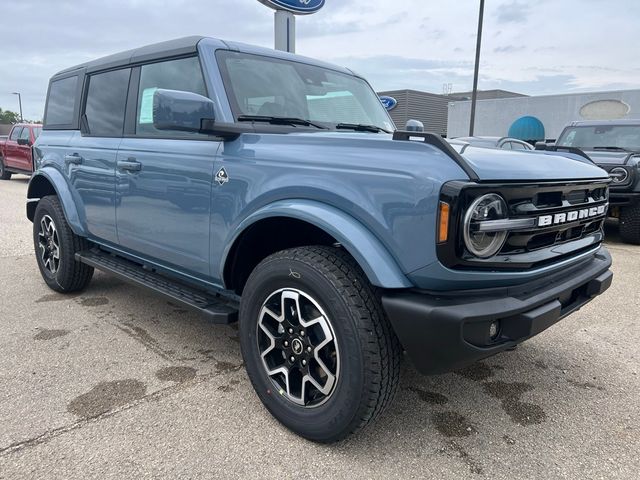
[(484, 244), (619, 174)]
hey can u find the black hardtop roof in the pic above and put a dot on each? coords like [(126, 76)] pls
[(170, 48)]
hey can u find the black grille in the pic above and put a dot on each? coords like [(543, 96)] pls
[(534, 245)]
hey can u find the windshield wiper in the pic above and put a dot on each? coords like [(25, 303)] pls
[(359, 127), (613, 149), (279, 120)]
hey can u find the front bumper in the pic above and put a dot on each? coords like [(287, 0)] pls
[(444, 331), (623, 199)]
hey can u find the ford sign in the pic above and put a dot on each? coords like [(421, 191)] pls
[(389, 102), (299, 7)]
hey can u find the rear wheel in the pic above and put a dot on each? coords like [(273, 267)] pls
[(55, 248), (630, 224), (316, 343), (4, 174)]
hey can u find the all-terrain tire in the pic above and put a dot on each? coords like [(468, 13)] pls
[(68, 275), (368, 351), (4, 174), (630, 224)]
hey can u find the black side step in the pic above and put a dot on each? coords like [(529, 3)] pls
[(215, 307)]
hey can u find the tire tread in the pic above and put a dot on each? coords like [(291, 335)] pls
[(382, 352), (630, 224)]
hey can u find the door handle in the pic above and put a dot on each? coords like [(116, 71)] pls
[(73, 159), (130, 165)]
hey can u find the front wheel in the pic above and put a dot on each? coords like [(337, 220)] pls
[(55, 247), (317, 346)]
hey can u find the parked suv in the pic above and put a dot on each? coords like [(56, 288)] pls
[(269, 188), (615, 146)]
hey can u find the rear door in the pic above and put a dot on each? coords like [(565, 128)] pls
[(91, 157), (11, 152), (164, 178)]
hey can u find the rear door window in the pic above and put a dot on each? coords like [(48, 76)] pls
[(62, 102), (183, 74), (106, 102)]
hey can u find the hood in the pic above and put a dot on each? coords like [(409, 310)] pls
[(376, 151), (495, 164), (603, 157)]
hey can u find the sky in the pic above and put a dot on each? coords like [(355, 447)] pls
[(536, 47)]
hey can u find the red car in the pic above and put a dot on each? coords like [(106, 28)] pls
[(15, 151)]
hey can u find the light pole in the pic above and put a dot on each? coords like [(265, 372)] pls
[(474, 94), (20, 102)]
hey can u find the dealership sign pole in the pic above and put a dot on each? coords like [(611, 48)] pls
[(474, 94), (285, 20)]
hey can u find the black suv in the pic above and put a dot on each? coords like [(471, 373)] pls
[(613, 145)]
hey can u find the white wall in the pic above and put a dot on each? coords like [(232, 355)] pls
[(494, 117)]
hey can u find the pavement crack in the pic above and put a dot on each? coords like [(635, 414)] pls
[(154, 396), (142, 336)]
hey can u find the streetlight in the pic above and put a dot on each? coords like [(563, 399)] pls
[(474, 94), (20, 102)]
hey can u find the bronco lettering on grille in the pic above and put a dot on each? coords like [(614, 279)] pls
[(572, 216)]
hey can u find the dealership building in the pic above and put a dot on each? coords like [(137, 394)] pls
[(540, 116)]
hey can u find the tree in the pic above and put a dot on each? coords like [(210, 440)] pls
[(9, 117)]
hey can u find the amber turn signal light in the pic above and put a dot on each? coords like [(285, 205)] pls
[(443, 222)]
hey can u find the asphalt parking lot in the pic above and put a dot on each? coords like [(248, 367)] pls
[(118, 383)]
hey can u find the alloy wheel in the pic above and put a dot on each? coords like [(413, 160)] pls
[(49, 244), (298, 347)]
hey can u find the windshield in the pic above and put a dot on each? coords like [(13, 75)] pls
[(589, 137), (271, 87)]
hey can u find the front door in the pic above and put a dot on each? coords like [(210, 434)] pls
[(164, 178), (164, 200), (23, 151)]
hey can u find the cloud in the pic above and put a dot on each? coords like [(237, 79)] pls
[(514, 12), (416, 44), (509, 49)]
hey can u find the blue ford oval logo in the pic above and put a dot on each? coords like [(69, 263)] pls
[(388, 102), (301, 7)]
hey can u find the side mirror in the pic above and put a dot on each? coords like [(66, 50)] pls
[(414, 126), (24, 141), (182, 111)]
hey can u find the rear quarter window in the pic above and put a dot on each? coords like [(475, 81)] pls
[(61, 103)]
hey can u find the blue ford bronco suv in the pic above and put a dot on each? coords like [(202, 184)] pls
[(271, 189)]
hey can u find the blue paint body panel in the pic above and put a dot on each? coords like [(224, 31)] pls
[(376, 196)]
